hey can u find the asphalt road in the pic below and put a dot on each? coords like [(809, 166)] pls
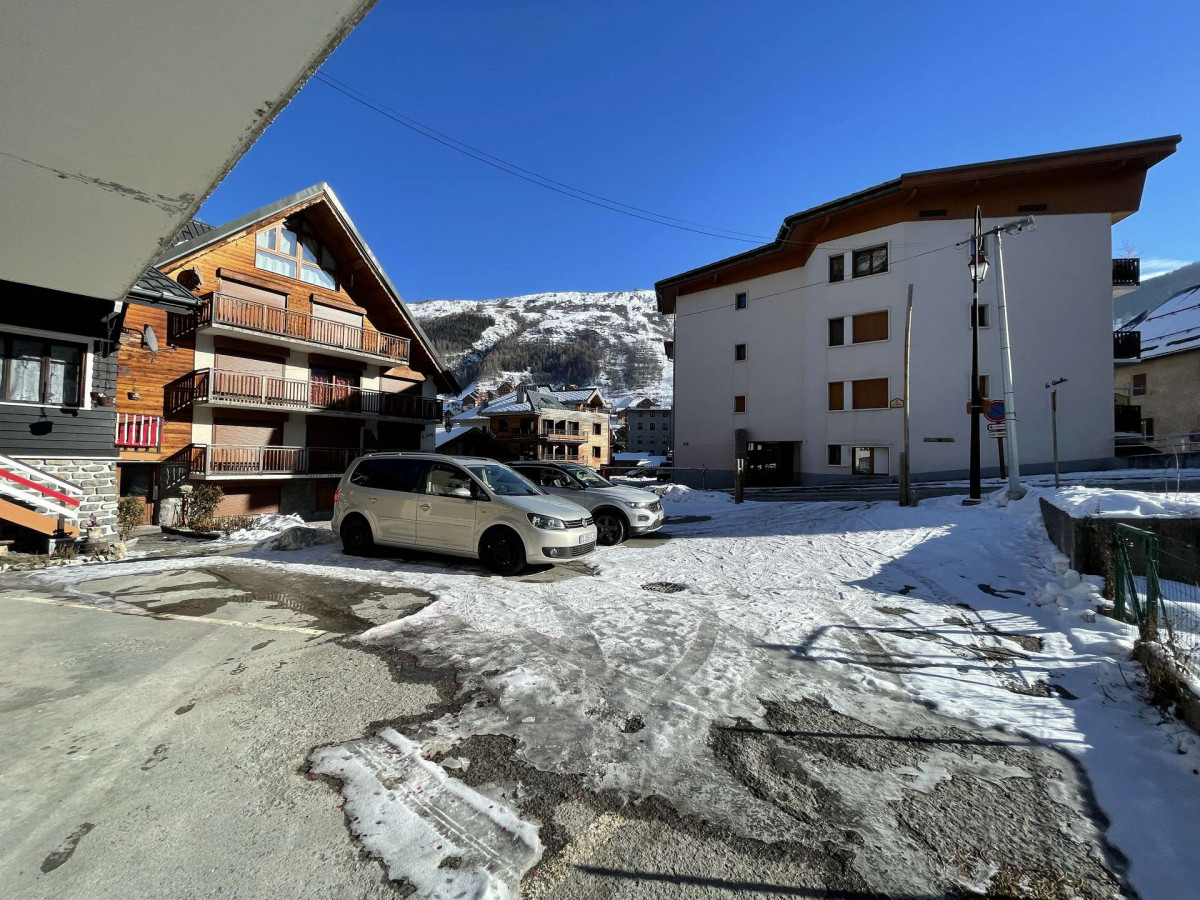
[(152, 758), (164, 756)]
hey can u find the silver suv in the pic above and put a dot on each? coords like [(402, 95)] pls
[(619, 511), (465, 506)]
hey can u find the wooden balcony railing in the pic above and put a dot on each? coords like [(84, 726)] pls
[(237, 459), (223, 309), (138, 431), (561, 434), (239, 388)]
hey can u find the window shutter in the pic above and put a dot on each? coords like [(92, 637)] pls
[(837, 395), (871, 393), (871, 327)]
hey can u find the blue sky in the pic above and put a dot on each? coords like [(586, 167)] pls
[(729, 114)]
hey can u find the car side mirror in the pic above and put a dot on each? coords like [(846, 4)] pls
[(464, 492)]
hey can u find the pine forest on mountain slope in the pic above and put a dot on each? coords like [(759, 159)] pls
[(612, 339)]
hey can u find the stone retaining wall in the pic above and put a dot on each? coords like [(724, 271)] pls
[(97, 478)]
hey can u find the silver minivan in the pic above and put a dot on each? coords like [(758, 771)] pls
[(464, 506), (619, 511)]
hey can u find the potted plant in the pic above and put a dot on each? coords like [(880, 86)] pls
[(95, 532)]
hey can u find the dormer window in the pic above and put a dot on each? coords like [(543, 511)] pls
[(291, 249)]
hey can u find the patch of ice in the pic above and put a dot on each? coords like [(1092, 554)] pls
[(431, 830)]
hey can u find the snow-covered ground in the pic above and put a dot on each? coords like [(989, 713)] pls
[(1111, 503), (622, 677)]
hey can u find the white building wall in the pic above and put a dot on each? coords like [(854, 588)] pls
[(1059, 291)]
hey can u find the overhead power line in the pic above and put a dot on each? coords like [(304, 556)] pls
[(543, 181), (802, 287)]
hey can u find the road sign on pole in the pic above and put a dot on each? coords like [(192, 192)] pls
[(994, 410), (997, 429)]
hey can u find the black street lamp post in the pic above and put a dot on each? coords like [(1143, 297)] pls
[(978, 269)]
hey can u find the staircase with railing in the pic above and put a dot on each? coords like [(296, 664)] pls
[(38, 501)]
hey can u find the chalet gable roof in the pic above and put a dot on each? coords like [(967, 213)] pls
[(321, 192)]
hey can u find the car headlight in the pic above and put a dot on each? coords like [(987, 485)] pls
[(638, 504), (547, 522)]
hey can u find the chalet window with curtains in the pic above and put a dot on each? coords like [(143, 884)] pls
[(291, 249), (38, 370)]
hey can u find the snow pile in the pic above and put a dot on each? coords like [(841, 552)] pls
[(1080, 502), (302, 536), (683, 499), (265, 527), (430, 829)]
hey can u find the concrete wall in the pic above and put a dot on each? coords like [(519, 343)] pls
[(1060, 295), (1172, 397), (1087, 543), (657, 442)]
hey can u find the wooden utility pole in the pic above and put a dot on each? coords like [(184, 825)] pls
[(906, 494)]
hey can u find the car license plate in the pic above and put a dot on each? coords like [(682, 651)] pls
[(583, 538)]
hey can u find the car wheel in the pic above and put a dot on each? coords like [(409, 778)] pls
[(356, 537), (503, 553), (610, 528)]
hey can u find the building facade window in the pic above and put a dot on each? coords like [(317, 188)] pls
[(595, 453), (864, 393), (985, 316), (863, 328), (871, 261), (36, 370), (295, 252), (739, 353), (739, 403), (595, 428), (740, 301), (837, 268), (1139, 384), (835, 454)]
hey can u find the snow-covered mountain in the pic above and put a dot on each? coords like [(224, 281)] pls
[(613, 339)]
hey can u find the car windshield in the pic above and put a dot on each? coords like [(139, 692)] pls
[(503, 481), (589, 477)]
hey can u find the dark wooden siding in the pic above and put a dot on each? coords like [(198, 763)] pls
[(35, 430)]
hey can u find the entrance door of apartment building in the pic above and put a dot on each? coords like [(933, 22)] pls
[(770, 463), (870, 461)]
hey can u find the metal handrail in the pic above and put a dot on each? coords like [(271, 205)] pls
[(238, 312)]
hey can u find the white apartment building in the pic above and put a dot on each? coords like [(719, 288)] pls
[(801, 342)]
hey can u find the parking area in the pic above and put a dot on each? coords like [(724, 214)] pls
[(802, 700)]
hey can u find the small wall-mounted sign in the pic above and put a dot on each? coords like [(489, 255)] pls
[(937, 440), (897, 403)]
